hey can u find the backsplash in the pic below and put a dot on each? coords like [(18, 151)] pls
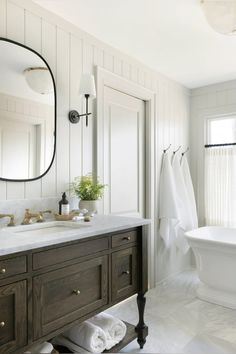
[(17, 207)]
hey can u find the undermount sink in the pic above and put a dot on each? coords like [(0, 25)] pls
[(46, 228)]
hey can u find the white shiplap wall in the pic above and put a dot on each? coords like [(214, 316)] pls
[(69, 52), (214, 100)]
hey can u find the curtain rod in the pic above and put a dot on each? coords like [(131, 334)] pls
[(216, 145)]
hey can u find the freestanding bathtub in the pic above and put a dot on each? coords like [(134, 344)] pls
[(215, 252)]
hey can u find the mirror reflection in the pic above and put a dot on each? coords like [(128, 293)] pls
[(27, 113)]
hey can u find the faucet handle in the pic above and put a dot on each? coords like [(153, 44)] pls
[(12, 220), (41, 212)]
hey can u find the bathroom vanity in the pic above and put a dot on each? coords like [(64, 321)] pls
[(51, 280)]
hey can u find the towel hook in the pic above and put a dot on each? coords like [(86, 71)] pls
[(174, 152), (183, 153), (167, 149)]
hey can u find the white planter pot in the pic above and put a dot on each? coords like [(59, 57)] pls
[(90, 205)]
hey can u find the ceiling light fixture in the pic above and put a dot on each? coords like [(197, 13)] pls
[(39, 80), (221, 15)]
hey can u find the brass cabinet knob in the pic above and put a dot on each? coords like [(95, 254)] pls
[(126, 272), (128, 238), (2, 324), (3, 271), (76, 292)]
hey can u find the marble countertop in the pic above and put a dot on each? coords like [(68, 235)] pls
[(13, 242)]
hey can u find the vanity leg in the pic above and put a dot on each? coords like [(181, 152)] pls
[(141, 328)]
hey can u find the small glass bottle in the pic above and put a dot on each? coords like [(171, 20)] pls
[(64, 206)]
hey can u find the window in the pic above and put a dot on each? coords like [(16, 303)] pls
[(220, 172)]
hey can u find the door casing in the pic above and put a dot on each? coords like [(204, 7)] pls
[(106, 78)]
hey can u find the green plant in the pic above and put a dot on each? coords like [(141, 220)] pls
[(87, 188)]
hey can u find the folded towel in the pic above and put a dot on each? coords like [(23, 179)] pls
[(87, 336), (63, 341), (114, 328), (43, 348)]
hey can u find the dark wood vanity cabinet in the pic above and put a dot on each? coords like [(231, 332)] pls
[(55, 287), (66, 294), (13, 316)]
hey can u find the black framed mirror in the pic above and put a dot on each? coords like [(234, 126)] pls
[(27, 113)]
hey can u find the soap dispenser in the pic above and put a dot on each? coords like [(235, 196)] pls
[(64, 206)]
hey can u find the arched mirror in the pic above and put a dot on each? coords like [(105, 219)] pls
[(27, 113)]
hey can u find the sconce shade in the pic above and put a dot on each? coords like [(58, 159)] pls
[(87, 86), (39, 80), (221, 15)]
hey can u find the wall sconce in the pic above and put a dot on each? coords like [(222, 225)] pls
[(88, 90)]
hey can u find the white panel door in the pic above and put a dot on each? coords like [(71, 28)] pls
[(124, 154)]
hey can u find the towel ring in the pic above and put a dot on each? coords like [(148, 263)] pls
[(174, 152), (167, 149)]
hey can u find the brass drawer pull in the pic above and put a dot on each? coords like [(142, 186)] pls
[(126, 272), (2, 324), (3, 271), (76, 292), (127, 238)]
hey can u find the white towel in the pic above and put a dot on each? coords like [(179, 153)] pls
[(114, 328), (43, 348), (190, 190), (87, 336), (61, 340), (183, 205), (168, 210)]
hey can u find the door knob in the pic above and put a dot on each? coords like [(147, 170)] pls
[(3, 271), (126, 272), (76, 292), (2, 324)]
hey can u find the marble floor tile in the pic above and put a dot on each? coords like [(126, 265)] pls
[(179, 322)]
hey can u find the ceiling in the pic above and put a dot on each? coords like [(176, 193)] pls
[(170, 36)]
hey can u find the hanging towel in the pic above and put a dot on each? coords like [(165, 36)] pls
[(168, 210), (87, 336), (183, 205), (63, 341), (43, 348), (114, 328), (190, 190)]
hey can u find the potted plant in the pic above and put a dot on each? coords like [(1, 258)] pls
[(89, 190)]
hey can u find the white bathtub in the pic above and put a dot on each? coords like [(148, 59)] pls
[(215, 252)]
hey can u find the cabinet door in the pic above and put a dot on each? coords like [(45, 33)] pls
[(13, 317), (65, 295), (124, 273)]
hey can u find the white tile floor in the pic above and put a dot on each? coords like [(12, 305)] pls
[(179, 322)]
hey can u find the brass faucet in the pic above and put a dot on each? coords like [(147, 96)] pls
[(29, 216), (11, 216), (41, 218)]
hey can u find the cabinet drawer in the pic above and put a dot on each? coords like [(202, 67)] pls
[(12, 266), (66, 253), (13, 317), (124, 273), (124, 238), (65, 295)]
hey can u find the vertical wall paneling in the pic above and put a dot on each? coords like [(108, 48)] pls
[(15, 30), (76, 151), (49, 52), (63, 90), (33, 39), (88, 67), (69, 52), (15, 22), (3, 18)]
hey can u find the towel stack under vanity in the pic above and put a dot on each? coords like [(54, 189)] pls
[(95, 335), (42, 348)]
